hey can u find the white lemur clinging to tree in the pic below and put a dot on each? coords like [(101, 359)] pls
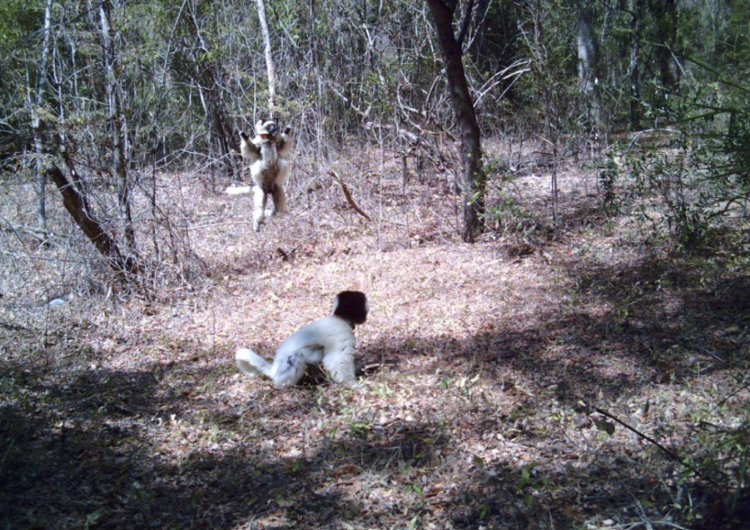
[(268, 153), (329, 340)]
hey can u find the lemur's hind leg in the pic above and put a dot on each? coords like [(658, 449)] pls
[(279, 200), (259, 207)]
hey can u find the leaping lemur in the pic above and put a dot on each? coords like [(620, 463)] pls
[(268, 153)]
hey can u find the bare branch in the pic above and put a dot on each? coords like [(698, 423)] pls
[(348, 195)]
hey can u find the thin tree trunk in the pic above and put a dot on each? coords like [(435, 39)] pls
[(471, 149), (318, 111), (117, 125), (36, 123), (214, 108), (587, 62), (207, 74), (269, 56), (634, 8), (666, 20)]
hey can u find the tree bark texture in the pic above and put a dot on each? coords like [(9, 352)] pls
[(36, 122), (587, 62), (471, 150), (76, 205), (635, 9), (215, 113), (269, 56), (117, 124)]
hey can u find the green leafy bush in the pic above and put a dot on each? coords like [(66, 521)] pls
[(694, 176)]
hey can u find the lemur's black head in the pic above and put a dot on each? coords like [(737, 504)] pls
[(351, 306)]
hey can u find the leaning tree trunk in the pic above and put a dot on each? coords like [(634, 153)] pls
[(76, 205), (207, 74), (471, 149), (269, 57)]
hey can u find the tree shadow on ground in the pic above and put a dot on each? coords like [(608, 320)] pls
[(85, 451), (628, 326), (78, 454), (85, 446)]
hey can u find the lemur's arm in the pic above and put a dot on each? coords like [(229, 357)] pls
[(248, 149), (285, 143)]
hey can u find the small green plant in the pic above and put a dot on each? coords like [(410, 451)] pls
[(722, 456), (529, 480), (609, 174), (446, 381), (214, 433), (332, 433), (416, 489), (503, 211), (383, 390), (359, 429), (666, 193)]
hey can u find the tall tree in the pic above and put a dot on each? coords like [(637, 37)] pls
[(269, 56), (587, 75), (471, 150), (116, 122), (35, 103), (665, 15)]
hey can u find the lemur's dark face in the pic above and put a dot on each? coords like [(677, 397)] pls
[(266, 129), (351, 306)]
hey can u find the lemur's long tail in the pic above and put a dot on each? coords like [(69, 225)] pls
[(253, 364), (238, 190)]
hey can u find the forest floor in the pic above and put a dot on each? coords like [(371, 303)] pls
[(483, 364)]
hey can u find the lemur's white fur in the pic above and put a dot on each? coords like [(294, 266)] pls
[(329, 340), (268, 155)]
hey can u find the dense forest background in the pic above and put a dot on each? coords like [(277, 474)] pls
[(558, 261), (108, 94)]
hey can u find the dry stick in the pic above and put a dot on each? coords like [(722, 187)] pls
[(348, 195), (37, 233), (669, 453)]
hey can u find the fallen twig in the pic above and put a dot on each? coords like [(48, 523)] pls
[(348, 195), (671, 454)]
